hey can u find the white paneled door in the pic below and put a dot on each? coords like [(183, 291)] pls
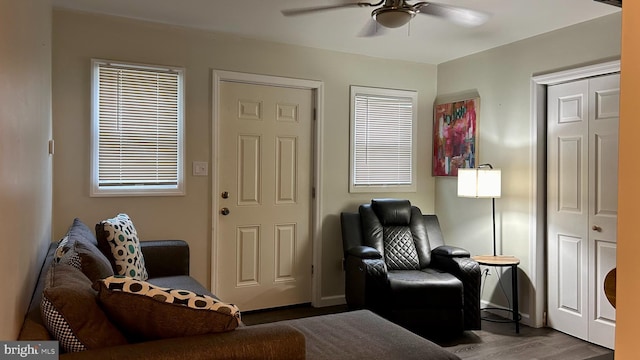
[(264, 237), (582, 190)]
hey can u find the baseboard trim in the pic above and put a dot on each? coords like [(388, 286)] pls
[(525, 318), (331, 301)]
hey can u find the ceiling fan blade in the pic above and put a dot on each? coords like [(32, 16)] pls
[(459, 15), (371, 29), (312, 9)]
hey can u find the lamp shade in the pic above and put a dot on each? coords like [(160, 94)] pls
[(479, 183)]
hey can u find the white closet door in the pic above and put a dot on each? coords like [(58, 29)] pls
[(567, 207), (603, 203), (582, 167)]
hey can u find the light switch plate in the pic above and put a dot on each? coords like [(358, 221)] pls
[(200, 168)]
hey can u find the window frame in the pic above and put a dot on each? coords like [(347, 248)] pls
[(136, 190), (374, 91)]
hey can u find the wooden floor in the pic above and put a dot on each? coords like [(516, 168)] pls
[(496, 341)]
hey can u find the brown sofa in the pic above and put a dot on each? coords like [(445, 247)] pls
[(351, 335)]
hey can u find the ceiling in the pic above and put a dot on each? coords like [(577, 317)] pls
[(426, 39)]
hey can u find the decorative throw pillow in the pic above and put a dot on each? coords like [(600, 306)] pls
[(71, 313), (120, 237), (61, 249), (78, 232), (147, 312), (88, 259), (81, 232), (79, 249)]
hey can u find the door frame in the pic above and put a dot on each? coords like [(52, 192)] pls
[(538, 195), (317, 88)]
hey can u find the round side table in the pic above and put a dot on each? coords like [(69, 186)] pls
[(503, 261)]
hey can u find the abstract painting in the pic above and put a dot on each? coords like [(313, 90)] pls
[(455, 136)]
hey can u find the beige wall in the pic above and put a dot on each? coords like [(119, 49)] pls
[(502, 76), (79, 37), (628, 285), (25, 165)]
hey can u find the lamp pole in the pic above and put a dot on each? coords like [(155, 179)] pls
[(493, 211), (493, 203)]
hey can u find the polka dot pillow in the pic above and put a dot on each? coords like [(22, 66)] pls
[(147, 312), (119, 237)]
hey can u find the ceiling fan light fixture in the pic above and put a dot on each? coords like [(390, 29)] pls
[(393, 17)]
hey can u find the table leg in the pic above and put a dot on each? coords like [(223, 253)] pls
[(514, 295)]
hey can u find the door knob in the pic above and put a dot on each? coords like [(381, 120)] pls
[(224, 211), (596, 228)]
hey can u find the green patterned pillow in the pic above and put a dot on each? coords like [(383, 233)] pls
[(119, 237), (147, 312)]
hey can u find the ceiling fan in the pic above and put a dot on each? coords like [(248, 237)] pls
[(396, 13)]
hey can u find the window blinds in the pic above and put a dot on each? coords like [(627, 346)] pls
[(138, 124), (383, 140)]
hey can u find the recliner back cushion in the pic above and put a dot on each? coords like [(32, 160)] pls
[(396, 229), (420, 237), (392, 212), (372, 234), (399, 250)]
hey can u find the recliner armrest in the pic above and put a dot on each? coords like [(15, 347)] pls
[(468, 271), (365, 280), (450, 251), (364, 252)]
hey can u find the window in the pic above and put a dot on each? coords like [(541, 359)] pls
[(383, 125), (137, 130)]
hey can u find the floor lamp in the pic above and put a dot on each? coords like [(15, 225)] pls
[(481, 182)]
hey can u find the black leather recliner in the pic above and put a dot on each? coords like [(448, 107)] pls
[(397, 265)]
